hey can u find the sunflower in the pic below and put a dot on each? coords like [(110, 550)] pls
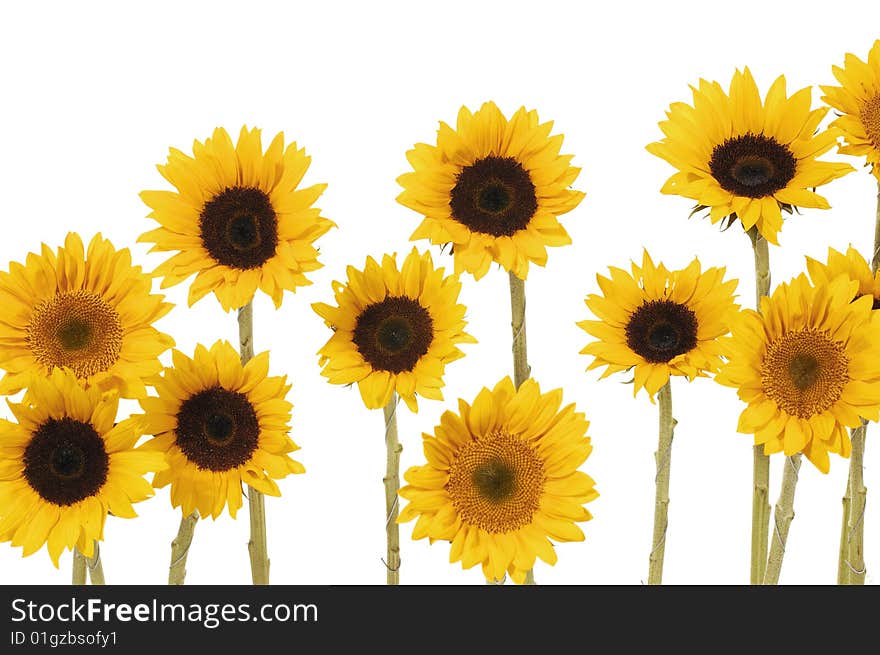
[(859, 100), (237, 219), (658, 322), (808, 366), (493, 188), (853, 266), (219, 424), (66, 464), (743, 159), (394, 330), (89, 311), (501, 477)]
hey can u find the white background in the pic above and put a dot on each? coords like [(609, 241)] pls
[(92, 95)]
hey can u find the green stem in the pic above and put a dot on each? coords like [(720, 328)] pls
[(257, 547), (180, 548), (760, 461), (391, 481), (782, 517), (79, 568), (95, 568), (662, 458)]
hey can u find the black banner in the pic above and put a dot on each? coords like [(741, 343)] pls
[(129, 619)]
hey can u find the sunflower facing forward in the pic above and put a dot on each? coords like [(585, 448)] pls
[(66, 464), (237, 219), (395, 329), (808, 366), (493, 188), (220, 425), (89, 311), (853, 266), (501, 479), (745, 160), (658, 322), (859, 101)]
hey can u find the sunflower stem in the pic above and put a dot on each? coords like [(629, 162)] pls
[(392, 486), (79, 568), (782, 517), (663, 458), (851, 563), (842, 571), (854, 564), (180, 548), (257, 547), (760, 461), (521, 368), (95, 567)]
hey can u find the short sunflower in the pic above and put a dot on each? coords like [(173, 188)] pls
[(237, 219), (493, 188), (87, 310), (219, 424), (808, 366), (659, 322), (502, 479), (853, 266), (859, 101), (744, 159), (394, 329), (66, 464)]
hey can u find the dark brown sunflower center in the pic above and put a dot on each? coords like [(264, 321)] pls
[(495, 480), (752, 165), (392, 335), (496, 483), (870, 115), (239, 227), (78, 330), (65, 461), (805, 372), (217, 429), (660, 330), (494, 195)]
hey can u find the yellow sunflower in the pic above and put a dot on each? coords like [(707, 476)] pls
[(501, 478), (493, 188), (659, 323), (808, 366), (853, 266), (394, 329), (237, 219), (219, 424), (745, 160), (89, 311), (859, 101), (66, 464)]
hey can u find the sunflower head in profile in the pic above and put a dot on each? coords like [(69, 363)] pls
[(237, 219), (219, 424), (858, 101), (853, 266), (808, 366), (493, 188), (65, 464), (744, 159), (501, 480), (90, 311), (395, 329), (659, 322)]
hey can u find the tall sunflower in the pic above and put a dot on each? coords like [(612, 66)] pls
[(853, 266), (493, 188), (659, 323), (66, 464), (219, 424), (501, 479), (394, 329), (859, 101), (89, 311), (237, 218), (744, 159), (808, 366)]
